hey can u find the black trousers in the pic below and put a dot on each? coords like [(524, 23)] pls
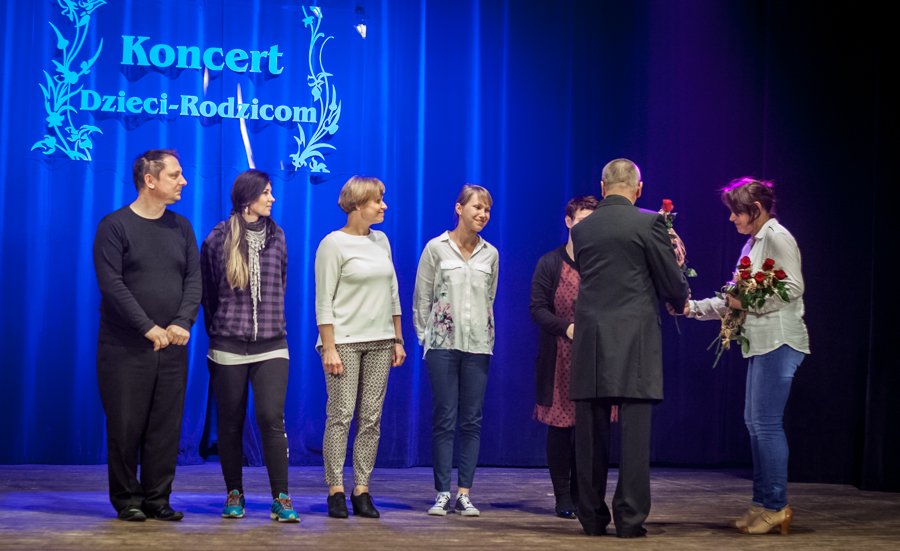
[(631, 502), (231, 386), (142, 392)]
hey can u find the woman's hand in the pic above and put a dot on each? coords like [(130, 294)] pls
[(570, 331), (734, 303), (398, 356), (331, 361)]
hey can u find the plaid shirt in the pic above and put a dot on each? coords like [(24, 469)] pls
[(227, 312)]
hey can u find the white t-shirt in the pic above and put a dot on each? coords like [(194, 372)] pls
[(356, 287)]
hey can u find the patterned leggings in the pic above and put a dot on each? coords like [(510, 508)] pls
[(361, 386)]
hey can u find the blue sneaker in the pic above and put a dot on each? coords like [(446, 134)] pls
[(283, 511), (234, 505)]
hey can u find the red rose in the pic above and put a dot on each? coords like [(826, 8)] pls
[(759, 277), (768, 264), (745, 274), (745, 262), (667, 205), (779, 275)]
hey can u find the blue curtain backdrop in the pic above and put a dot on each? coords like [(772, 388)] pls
[(528, 99)]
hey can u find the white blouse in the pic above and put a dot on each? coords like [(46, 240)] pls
[(356, 287), (453, 304), (777, 322)]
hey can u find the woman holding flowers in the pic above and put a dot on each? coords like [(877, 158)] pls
[(778, 342), (454, 317)]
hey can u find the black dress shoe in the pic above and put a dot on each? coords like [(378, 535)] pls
[(164, 513), (337, 505), (362, 506), (639, 532), (595, 531), (565, 510), (132, 514)]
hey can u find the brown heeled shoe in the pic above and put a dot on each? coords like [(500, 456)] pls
[(768, 520), (748, 517)]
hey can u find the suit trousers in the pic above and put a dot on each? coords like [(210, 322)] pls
[(631, 501), (142, 392)]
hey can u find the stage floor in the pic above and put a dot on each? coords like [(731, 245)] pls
[(66, 507)]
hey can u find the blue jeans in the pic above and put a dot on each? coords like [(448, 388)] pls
[(458, 380), (769, 379)]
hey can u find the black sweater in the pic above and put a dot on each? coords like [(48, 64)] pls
[(149, 274), (543, 313)]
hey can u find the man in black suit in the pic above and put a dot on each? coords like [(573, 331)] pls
[(626, 261)]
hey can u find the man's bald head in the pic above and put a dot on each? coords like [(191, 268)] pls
[(621, 172)]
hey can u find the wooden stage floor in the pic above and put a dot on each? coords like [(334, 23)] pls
[(66, 507)]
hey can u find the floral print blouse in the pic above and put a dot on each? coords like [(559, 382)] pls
[(453, 304)]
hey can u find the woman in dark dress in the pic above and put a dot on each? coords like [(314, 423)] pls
[(554, 290)]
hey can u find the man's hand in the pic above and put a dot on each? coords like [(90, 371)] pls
[(672, 312), (158, 336), (570, 331), (331, 361), (177, 335), (398, 356)]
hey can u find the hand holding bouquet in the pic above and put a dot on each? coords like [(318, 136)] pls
[(752, 289)]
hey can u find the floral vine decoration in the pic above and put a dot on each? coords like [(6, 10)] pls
[(308, 150), (752, 290), (74, 141)]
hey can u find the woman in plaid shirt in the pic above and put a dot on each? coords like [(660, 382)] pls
[(244, 265)]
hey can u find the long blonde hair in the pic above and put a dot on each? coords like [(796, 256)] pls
[(247, 188)]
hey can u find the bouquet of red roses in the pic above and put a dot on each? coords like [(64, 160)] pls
[(752, 289)]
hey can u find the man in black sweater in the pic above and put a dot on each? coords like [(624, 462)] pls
[(148, 270)]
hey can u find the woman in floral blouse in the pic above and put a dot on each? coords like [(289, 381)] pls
[(454, 317)]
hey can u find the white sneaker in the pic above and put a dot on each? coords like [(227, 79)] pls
[(464, 506), (441, 505)]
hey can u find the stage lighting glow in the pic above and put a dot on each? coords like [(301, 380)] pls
[(361, 29)]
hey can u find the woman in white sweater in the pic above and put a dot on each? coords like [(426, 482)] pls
[(358, 314)]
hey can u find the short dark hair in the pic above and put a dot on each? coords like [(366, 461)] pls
[(151, 162), (742, 194), (582, 202)]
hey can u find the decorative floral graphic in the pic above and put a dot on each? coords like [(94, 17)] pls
[(442, 326), (330, 109), (64, 136)]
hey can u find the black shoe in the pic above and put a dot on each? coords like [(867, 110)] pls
[(639, 532), (337, 505), (362, 505), (595, 531), (132, 514), (164, 513), (565, 510)]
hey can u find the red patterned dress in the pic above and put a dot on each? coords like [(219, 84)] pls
[(562, 412)]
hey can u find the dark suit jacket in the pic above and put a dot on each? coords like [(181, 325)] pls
[(543, 313), (626, 262)]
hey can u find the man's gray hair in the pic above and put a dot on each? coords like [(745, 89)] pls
[(621, 172)]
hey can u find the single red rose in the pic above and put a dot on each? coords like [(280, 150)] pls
[(745, 274), (745, 262), (668, 206), (768, 264), (779, 275), (759, 277)]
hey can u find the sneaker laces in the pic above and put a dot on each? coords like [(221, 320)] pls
[(285, 502), (464, 499), (441, 501), (233, 500)]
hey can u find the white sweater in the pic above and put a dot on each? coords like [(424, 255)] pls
[(356, 287)]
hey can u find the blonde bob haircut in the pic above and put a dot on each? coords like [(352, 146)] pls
[(358, 191)]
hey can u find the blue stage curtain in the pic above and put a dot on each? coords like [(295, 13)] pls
[(529, 99)]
